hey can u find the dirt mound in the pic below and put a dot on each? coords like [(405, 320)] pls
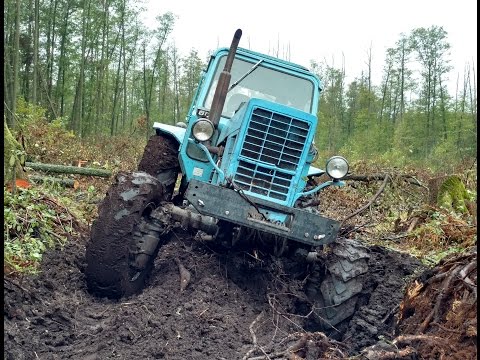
[(238, 305)]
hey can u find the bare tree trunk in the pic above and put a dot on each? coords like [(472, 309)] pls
[(50, 54), (145, 92), (462, 110), (442, 109), (428, 108), (16, 61), (369, 65), (434, 101), (104, 60), (164, 89), (116, 91), (456, 99), (384, 91), (122, 54), (175, 85), (28, 55), (35, 51), (395, 104), (77, 110), (473, 98), (402, 80), (60, 88), (7, 57)]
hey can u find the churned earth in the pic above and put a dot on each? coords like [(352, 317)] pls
[(237, 305)]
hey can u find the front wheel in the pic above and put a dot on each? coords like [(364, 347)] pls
[(336, 282), (124, 241)]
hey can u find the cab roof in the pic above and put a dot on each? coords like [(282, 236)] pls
[(268, 58)]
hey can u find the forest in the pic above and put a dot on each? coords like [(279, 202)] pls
[(96, 69)]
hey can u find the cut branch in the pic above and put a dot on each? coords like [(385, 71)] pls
[(185, 275), (254, 338), (409, 339), (435, 312), (363, 208), (377, 177)]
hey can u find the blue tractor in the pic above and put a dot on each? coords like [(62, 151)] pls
[(239, 168)]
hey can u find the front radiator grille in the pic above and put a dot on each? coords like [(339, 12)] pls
[(271, 153)]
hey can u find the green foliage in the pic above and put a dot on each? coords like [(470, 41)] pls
[(109, 71), (13, 156), (371, 142), (33, 222), (26, 112), (434, 257), (404, 143)]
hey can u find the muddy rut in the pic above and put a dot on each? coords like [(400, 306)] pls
[(236, 306)]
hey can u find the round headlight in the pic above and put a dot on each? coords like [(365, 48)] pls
[(337, 167), (203, 129)]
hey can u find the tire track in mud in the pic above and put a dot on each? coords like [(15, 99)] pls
[(52, 316)]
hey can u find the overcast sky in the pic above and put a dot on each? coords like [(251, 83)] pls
[(321, 30)]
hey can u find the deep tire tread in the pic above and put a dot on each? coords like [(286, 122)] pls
[(108, 252), (337, 281)]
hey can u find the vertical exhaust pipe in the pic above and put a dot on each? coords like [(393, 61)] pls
[(224, 82)]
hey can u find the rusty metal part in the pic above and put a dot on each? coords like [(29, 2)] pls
[(224, 82), (186, 218), (217, 150)]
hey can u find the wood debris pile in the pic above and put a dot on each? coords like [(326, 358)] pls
[(438, 316)]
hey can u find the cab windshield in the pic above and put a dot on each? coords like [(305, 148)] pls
[(263, 83)]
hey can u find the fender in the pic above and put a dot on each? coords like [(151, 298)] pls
[(176, 131)]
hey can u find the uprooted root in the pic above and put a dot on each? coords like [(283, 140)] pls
[(442, 305), (185, 275)]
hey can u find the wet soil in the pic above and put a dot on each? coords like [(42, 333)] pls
[(237, 305), (159, 147)]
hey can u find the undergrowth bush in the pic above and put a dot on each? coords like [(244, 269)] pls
[(53, 143), (33, 222)]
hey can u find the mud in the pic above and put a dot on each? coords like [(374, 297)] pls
[(159, 147), (237, 304)]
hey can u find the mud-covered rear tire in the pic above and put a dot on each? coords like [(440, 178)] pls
[(117, 233), (336, 282)]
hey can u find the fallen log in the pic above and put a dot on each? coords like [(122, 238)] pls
[(376, 177), (65, 169), (50, 179)]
